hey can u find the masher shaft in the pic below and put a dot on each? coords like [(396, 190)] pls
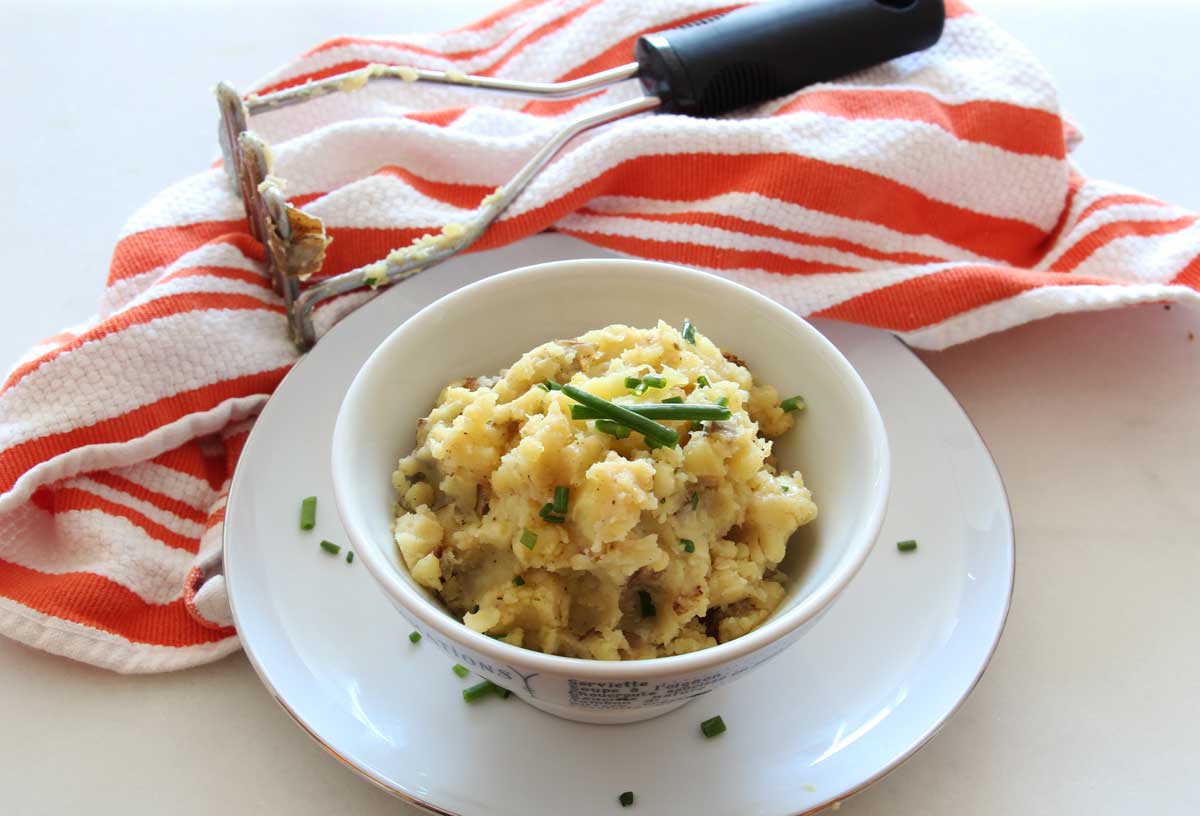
[(401, 265), (353, 80)]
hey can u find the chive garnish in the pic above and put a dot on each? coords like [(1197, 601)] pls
[(561, 496), (695, 500), (723, 402), (501, 692), (518, 580), (475, 692), (551, 385), (330, 547), (646, 604), (795, 403), (308, 513), (414, 637), (688, 545), (906, 546), (549, 514), (673, 401), (626, 798), (688, 331), (646, 427), (633, 383), (655, 381), (542, 386), (608, 426), (529, 539), (350, 557), (659, 410), (785, 488), (711, 727), (702, 381), (460, 670)]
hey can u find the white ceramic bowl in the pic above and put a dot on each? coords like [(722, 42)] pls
[(839, 444)]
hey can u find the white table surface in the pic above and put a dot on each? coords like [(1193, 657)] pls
[(1092, 703)]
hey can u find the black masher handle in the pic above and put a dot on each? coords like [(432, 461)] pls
[(767, 50)]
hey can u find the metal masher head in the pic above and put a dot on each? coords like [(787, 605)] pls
[(747, 56)]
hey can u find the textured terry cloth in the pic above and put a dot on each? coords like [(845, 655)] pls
[(931, 196)]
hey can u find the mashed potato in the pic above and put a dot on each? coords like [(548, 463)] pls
[(661, 551)]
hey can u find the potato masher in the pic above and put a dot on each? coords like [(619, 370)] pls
[(708, 68)]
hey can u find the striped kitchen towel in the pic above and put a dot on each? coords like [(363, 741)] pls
[(931, 196)]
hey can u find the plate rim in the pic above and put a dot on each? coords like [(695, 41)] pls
[(924, 739)]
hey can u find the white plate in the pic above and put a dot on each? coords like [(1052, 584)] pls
[(871, 683)]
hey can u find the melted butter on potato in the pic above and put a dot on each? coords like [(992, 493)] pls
[(492, 451)]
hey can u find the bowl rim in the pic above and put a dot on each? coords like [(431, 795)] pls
[(772, 631)]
